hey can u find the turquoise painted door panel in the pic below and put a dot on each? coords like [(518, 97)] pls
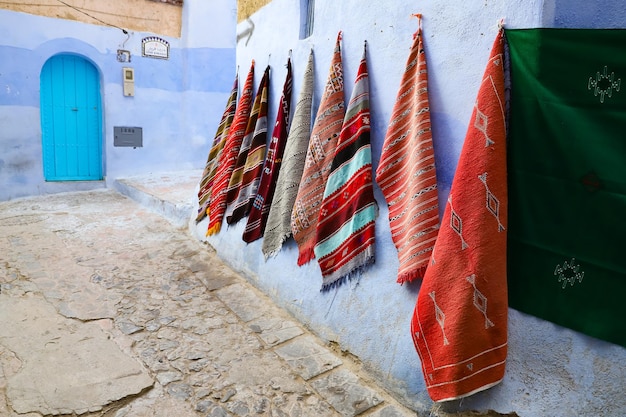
[(71, 119)]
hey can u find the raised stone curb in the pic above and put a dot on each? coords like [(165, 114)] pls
[(345, 392), (274, 330), (243, 301), (307, 358)]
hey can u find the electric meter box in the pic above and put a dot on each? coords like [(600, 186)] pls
[(127, 136)]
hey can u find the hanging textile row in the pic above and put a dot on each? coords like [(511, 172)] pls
[(322, 195), (315, 182)]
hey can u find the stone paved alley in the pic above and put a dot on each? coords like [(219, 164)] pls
[(108, 309)]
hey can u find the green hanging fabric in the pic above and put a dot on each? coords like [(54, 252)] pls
[(567, 178)]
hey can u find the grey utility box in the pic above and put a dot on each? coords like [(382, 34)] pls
[(128, 136)]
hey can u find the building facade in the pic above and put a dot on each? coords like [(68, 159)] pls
[(175, 94), (181, 65), (550, 370)]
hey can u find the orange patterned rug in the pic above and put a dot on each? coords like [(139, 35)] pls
[(406, 171), (459, 326)]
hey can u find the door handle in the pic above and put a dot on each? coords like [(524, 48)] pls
[(74, 108)]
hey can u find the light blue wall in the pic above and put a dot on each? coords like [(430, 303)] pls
[(177, 101), (551, 371), (608, 14)]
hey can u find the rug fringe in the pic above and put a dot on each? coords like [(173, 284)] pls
[(202, 213), (336, 283), (214, 229), (305, 256), (272, 253), (354, 274), (412, 275)]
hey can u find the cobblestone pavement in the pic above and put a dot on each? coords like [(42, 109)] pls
[(204, 341)]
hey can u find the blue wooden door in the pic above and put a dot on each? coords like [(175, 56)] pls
[(71, 119)]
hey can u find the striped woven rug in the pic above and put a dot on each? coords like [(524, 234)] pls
[(260, 207), (406, 171), (229, 155), (206, 183), (319, 157), (346, 228), (244, 181), (278, 228)]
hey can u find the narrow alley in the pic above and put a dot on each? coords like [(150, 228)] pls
[(108, 309)]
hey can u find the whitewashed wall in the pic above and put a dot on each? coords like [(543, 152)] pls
[(551, 371)]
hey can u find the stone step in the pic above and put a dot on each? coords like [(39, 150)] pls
[(170, 194)]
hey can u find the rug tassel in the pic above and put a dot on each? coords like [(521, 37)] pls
[(334, 284), (214, 229), (275, 251), (305, 256), (411, 276), (352, 275)]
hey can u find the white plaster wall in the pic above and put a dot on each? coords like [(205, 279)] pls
[(551, 371), (209, 24)]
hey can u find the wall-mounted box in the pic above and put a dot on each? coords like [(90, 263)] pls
[(128, 136), (129, 81)]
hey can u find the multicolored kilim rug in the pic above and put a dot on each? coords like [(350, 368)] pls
[(406, 171), (227, 161), (346, 226), (459, 326), (319, 157), (244, 181), (206, 183), (260, 208), (278, 228), (567, 178)]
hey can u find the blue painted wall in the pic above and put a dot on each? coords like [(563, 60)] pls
[(551, 371), (607, 14), (177, 101)]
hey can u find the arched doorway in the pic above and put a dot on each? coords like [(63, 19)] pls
[(71, 119)]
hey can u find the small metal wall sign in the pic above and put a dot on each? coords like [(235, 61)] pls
[(154, 47), (130, 136)]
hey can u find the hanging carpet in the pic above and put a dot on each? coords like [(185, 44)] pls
[(567, 178), (346, 226), (229, 155), (319, 157), (459, 325), (406, 171), (206, 183), (278, 227), (244, 180), (260, 206)]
